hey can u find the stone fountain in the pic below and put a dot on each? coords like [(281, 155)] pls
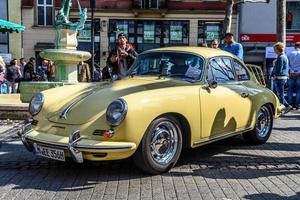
[(65, 55)]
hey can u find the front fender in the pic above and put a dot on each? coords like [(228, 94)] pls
[(144, 107)]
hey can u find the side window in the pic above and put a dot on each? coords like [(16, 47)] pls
[(220, 70), (240, 71)]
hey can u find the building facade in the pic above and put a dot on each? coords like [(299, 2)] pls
[(11, 43), (258, 29), (147, 23)]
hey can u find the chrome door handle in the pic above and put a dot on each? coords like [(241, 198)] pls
[(244, 94)]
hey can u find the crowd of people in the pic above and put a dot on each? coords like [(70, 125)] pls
[(286, 68), (13, 73), (287, 71)]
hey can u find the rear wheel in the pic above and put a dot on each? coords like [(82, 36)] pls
[(263, 127), (160, 147)]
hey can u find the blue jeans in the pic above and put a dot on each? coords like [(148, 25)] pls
[(279, 87), (294, 87)]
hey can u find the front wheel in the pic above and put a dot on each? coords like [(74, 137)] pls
[(160, 147), (263, 127)]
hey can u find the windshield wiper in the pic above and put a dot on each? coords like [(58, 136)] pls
[(149, 72), (132, 74), (180, 76)]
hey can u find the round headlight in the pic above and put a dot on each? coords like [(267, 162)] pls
[(116, 112), (36, 104)]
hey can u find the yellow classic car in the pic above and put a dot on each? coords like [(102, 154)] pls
[(172, 98)]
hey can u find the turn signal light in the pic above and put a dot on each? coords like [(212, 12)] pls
[(108, 133)]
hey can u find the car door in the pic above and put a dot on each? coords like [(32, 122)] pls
[(225, 108)]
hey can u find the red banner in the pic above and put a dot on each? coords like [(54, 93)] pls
[(268, 37)]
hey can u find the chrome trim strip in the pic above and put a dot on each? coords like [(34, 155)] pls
[(65, 146), (64, 113), (107, 147), (216, 138)]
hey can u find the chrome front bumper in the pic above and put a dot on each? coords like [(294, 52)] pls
[(73, 147)]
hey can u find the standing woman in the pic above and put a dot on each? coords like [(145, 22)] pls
[(2, 64), (12, 75), (280, 74)]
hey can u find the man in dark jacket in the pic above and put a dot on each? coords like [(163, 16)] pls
[(123, 56), (29, 73)]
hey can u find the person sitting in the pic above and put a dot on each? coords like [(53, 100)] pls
[(4, 89)]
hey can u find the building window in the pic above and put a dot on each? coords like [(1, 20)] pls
[(45, 12), (208, 31), (293, 16), (149, 4), (146, 34)]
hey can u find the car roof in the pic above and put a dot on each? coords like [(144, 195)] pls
[(206, 52)]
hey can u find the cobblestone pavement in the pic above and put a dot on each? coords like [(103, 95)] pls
[(229, 169)]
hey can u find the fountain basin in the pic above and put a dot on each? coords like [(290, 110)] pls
[(66, 61), (65, 55)]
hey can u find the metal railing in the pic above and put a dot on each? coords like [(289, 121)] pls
[(258, 73)]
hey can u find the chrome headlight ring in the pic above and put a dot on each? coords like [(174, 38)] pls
[(116, 112), (36, 104)]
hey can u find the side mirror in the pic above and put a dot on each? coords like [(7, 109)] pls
[(213, 84)]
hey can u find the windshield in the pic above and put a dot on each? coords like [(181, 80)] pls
[(179, 65)]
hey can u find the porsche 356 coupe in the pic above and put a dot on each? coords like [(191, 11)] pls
[(172, 98)]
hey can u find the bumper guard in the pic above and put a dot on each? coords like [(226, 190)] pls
[(72, 146)]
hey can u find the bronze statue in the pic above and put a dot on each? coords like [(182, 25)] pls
[(62, 20), (66, 5), (62, 17)]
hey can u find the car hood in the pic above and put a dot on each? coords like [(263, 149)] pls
[(93, 102)]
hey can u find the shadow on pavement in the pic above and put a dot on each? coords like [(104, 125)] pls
[(287, 128), (232, 158), (272, 196)]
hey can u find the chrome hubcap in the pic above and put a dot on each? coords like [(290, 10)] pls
[(164, 142), (263, 122)]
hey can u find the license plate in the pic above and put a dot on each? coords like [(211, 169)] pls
[(47, 152)]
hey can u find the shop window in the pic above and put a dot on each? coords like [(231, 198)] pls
[(84, 38), (44, 12), (208, 31), (149, 4), (293, 16), (3, 48), (149, 31)]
